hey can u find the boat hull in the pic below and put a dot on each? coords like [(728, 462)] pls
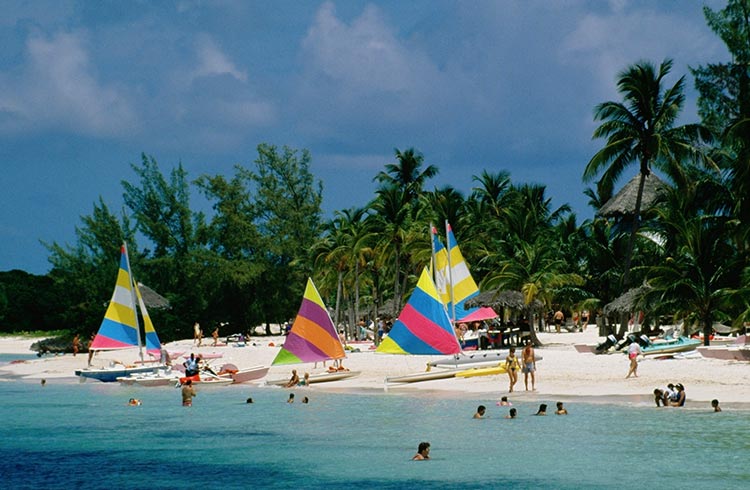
[(425, 376), (482, 371), (321, 378), (725, 353), (148, 380), (110, 375), (250, 374), (682, 344)]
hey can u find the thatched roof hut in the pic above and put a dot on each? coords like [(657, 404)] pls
[(631, 300), (499, 299), (623, 203)]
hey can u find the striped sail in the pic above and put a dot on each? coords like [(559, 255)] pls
[(119, 329), (423, 327), (313, 336), (458, 275), (152, 340)]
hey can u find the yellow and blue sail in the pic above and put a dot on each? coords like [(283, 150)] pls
[(423, 327), (119, 328), (453, 274), (313, 336)]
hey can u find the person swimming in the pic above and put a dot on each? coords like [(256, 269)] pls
[(423, 451), (481, 409), (542, 409)]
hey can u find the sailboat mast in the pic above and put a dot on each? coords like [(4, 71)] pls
[(450, 271), (133, 305), (433, 259)]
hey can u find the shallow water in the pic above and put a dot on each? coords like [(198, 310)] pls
[(85, 436)]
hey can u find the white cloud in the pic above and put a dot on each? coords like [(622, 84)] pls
[(212, 61), (608, 43), (57, 88), (365, 56)]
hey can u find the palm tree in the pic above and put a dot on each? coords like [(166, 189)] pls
[(642, 129), (407, 174), (701, 265)]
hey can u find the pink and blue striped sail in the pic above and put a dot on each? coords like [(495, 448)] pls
[(423, 327), (119, 329), (313, 337)]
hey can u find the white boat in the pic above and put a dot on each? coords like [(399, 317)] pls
[(321, 377), (244, 375), (424, 376), (160, 378), (120, 328)]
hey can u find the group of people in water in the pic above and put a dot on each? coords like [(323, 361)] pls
[(672, 396), (513, 413)]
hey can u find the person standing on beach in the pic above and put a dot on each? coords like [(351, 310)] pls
[(215, 335), (633, 352), (529, 366), (196, 333), (76, 344), (188, 392), (91, 351), (511, 366), (558, 317)]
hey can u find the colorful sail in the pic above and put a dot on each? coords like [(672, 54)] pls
[(456, 276), (313, 336), (423, 327), (152, 340), (119, 329)]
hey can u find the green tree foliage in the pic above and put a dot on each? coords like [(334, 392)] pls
[(28, 302), (641, 129), (86, 271), (286, 207)]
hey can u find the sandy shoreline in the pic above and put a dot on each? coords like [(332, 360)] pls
[(564, 373)]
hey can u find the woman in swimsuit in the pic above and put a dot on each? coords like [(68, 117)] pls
[(511, 366)]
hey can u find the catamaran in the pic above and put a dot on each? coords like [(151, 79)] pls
[(312, 338), (120, 328)]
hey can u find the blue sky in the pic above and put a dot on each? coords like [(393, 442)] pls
[(87, 86)]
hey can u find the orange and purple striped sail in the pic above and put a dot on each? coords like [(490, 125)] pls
[(313, 337), (423, 327)]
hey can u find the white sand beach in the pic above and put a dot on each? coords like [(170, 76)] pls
[(563, 373)]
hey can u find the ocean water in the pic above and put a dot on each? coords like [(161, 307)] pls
[(85, 436)]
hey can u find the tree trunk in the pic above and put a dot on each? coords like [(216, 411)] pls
[(707, 330), (634, 230)]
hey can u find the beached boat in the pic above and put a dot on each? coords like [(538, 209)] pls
[(739, 350), (661, 347), (159, 378), (244, 375), (424, 376), (475, 359), (313, 338), (482, 371), (320, 377), (121, 328)]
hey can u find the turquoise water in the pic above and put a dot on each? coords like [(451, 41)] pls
[(71, 435)]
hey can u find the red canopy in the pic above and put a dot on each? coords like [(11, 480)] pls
[(484, 313)]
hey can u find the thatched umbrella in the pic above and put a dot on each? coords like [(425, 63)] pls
[(631, 300), (623, 203), (499, 299), (152, 298)]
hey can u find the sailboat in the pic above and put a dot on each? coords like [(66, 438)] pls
[(423, 328), (312, 338), (120, 328)]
